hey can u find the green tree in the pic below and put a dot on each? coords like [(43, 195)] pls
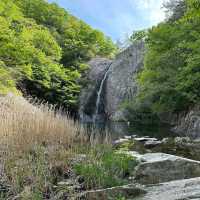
[(170, 80), (44, 50)]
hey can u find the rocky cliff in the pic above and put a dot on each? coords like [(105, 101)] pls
[(98, 68), (188, 123), (119, 84)]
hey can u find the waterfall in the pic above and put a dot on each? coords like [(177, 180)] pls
[(99, 94)]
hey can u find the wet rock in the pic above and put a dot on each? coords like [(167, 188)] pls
[(176, 190), (120, 141), (98, 67), (152, 144), (145, 139), (160, 167)]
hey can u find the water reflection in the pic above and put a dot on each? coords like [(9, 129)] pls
[(119, 129)]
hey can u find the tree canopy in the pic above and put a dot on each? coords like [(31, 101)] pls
[(170, 80), (44, 51)]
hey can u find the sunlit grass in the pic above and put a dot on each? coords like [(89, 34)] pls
[(39, 144), (24, 125)]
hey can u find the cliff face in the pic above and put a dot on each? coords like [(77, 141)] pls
[(188, 123), (98, 68), (119, 85)]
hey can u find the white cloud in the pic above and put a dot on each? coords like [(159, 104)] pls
[(117, 18), (152, 9)]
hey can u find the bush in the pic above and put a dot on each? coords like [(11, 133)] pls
[(105, 168)]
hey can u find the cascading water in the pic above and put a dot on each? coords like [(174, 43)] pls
[(99, 95)]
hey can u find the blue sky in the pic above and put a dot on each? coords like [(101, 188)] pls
[(116, 18)]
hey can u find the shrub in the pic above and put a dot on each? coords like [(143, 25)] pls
[(105, 168)]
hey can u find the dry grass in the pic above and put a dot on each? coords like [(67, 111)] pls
[(24, 125), (38, 146)]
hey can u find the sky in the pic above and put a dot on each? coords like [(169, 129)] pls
[(116, 18)]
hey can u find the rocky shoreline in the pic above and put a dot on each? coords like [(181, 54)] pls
[(167, 169), (158, 176)]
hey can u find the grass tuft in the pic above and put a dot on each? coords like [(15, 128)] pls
[(105, 168)]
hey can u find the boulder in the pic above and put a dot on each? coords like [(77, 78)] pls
[(145, 139), (188, 189), (151, 144), (160, 167)]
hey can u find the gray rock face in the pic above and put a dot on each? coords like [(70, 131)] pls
[(118, 87), (120, 83), (127, 191), (176, 190), (151, 144), (189, 123), (188, 189), (98, 67), (160, 167)]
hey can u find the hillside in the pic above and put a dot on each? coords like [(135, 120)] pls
[(139, 109), (44, 51)]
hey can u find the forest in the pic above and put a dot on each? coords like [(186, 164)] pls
[(44, 51), (170, 79)]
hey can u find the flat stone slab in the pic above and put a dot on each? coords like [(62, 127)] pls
[(151, 144), (188, 189), (159, 167), (144, 139), (127, 191)]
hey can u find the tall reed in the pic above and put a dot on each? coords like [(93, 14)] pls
[(24, 125)]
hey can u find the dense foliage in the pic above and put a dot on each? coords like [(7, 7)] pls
[(170, 80), (43, 51)]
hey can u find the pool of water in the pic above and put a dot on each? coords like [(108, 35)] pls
[(119, 129)]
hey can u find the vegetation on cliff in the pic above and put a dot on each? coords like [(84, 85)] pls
[(170, 79)]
